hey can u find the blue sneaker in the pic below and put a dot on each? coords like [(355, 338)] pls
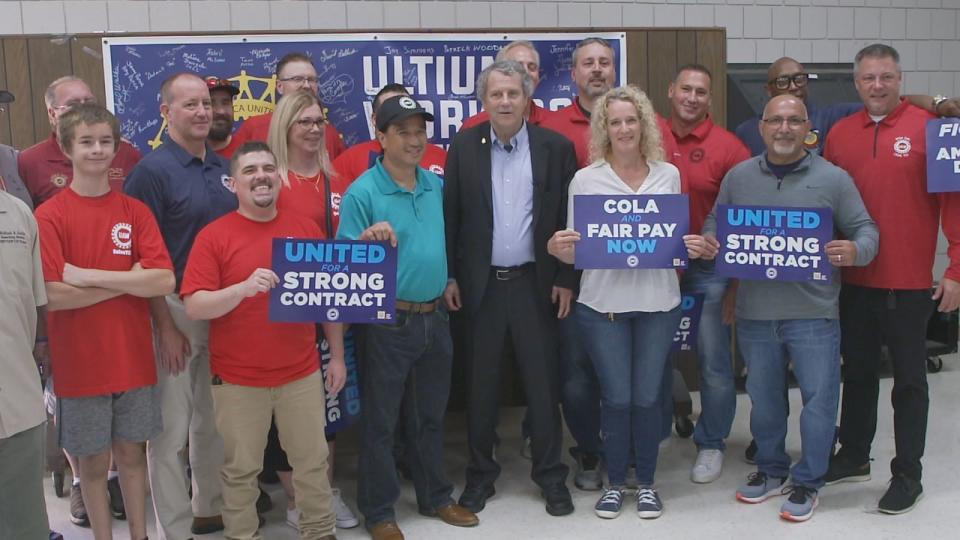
[(649, 505), (800, 505), (759, 487), (608, 507)]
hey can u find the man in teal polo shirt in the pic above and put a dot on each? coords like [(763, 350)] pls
[(406, 364)]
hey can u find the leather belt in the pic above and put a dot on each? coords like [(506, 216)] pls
[(414, 307), (506, 273)]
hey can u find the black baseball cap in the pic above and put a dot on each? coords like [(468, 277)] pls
[(6, 97), (397, 108), (216, 83)]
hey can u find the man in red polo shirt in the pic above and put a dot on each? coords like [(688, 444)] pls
[(360, 157), (295, 71), (44, 168), (525, 53), (221, 139)]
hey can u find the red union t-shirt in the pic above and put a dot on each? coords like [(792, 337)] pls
[(246, 348), (306, 197), (106, 347)]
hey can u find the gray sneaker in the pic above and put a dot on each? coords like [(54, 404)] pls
[(760, 487), (799, 507), (587, 476), (708, 466)]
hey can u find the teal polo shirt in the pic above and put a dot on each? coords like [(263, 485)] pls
[(416, 218)]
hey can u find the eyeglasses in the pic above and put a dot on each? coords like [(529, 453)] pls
[(307, 123), (73, 103), (793, 122), (783, 82), (300, 80)]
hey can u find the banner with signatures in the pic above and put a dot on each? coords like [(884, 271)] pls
[(439, 70)]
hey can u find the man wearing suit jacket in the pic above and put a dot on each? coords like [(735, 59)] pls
[(505, 195)]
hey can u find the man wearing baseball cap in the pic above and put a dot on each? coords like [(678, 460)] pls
[(222, 93), (406, 361)]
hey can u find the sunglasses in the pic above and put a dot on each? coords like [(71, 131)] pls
[(783, 82)]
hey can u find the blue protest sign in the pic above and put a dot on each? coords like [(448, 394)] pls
[(631, 231), (343, 409), (439, 70), (691, 308), (774, 243), (333, 280), (943, 155)]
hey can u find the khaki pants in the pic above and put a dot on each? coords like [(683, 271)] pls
[(243, 418), (23, 511), (187, 409)]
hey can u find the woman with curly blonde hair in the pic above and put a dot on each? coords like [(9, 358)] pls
[(627, 318)]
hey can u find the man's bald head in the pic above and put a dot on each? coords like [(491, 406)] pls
[(792, 78)]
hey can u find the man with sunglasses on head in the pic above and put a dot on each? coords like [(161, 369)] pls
[(788, 76), (44, 168)]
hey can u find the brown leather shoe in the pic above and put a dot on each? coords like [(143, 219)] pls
[(387, 530), (456, 515), (206, 525)]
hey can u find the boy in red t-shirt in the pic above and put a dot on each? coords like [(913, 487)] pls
[(261, 369), (103, 257)]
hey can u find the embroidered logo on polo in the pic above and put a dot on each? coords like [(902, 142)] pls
[(697, 155), (58, 179), (901, 147), (115, 174), (122, 236), (436, 169)]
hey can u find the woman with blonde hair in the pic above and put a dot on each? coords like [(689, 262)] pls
[(627, 318), (313, 190)]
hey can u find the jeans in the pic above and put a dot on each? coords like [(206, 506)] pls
[(898, 318), (405, 373), (629, 352), (718, 395), (813, 345)]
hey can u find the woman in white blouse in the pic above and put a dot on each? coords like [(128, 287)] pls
[(627, 318)]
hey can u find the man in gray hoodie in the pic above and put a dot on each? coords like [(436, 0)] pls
[(794, 321)]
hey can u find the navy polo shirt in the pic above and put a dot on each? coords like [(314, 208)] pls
[(821, 120), (184, 194)]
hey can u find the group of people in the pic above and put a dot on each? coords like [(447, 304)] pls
[(140, 287)]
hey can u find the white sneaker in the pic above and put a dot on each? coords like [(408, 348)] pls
[(346, 519), (708, 466), (293, 518)]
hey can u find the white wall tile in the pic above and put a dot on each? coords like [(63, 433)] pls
[(769, 2), (741, 51), (850, 2), (824, 50), (798, 49), (402, 15), (365, 15), (866, 23), (876, 3), (85, 16), (505, 15), (541, 14), (769, 50), (944, 23), (786, 22), (904, 3), (933, 3), (893, 23), (928, 55), (919, 23), (731, 18), (950, 59), (473, 14), (813, 22), (840, 23), (825, 2), (908, 54), (43, 18), (12, 20), (850, 47), (606, 15), (577, 14), (667, 15), (289, 15), (169, 16), (916, 82), (941, 82), (250, 15), (128, 16), (209, 15), (757, 22), (698, 16), (328, 15), (433, 14)]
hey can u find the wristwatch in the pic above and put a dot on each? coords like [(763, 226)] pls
[(937, 100)]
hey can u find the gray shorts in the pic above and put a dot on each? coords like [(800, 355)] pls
[(88, 425)]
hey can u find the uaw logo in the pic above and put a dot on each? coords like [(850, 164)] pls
[(335, 199), (436, 169), (771, 273), (697, 155), (58, 179), (901, 147), (247, 104), (122, 236)]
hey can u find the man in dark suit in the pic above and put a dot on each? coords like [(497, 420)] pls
[(505, 195)]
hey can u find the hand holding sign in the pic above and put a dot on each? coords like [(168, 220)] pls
[(701, 247), (380, 232), (260, 281), (562, 245), (841, 252)]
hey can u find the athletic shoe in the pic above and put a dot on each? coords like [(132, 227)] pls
[(587, 476), (649, 505), (116, 498), (903, 494), (760, 487), (78, 512), (799, 506), (708, 466), (608, 507), (346, 519), (843, 469)]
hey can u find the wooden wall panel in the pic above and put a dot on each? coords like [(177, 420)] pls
[(17, 66), (637, 51), (87, 63), (5, 136), (712, 52), (49, 60), (662, 59)]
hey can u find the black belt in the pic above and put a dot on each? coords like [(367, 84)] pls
[(506, 273)]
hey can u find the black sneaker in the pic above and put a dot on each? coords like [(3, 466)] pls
[(750, 454), (843, 469), (78, 512), (903, 494), (116, 498)]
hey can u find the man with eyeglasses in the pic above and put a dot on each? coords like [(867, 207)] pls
[(787, 76), (295, 71), (795, 319), (884, 148), (44, 168)]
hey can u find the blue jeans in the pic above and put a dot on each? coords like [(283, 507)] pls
[(718, 395), (579, 388), (813, 346), (629, 352), (405, 373)]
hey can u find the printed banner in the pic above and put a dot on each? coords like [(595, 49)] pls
[(691, 308), (342, 409), (439, 70), (631, 231), (943, 155), (773, 243), (333, 280)]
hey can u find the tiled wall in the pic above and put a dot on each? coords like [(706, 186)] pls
[(927, 32)]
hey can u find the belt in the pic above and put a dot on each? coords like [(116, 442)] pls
[(506, 273), (415, 307)]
